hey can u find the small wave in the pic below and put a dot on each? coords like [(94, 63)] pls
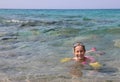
[(10, 22), (7, 47), (103, 21), (63, 22), (37, 23), (14, 21), (87, 19), (103, 30), (114, 30), (60, 22), (63, 32), (72, 16), (40, 23), (8, 38)]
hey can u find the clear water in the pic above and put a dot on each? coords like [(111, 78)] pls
[(32, 43)]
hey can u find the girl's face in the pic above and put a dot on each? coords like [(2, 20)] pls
[(79, 52)]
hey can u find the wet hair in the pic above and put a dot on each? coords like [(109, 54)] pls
[(79, 44)]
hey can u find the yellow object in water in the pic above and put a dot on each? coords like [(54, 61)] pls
[(65, 60), (95, 65)]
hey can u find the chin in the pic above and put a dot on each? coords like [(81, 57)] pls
[(80, 58)]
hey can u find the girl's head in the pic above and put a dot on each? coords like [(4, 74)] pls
[(79, 50)]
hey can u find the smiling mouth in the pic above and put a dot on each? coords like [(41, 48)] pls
[(79, 57)]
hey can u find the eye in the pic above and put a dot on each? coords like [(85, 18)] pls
[(77, 51), (81, 51)]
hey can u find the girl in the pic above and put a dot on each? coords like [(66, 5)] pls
[(79, 54)]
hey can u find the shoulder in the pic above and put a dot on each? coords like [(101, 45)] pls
[(75, 58), (90, 58)]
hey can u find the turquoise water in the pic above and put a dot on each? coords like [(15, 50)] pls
[(32, 42)]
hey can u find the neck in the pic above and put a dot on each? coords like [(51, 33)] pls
[(82, 59)]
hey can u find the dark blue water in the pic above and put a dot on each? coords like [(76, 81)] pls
[(32, 42)]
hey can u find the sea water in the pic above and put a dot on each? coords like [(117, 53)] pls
[(33, 41)]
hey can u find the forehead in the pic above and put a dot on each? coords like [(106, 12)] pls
[(79, 48)]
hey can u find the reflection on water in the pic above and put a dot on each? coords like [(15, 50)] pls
[(80, 73), (76, 69)]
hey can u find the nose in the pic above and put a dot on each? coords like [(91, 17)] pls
[(79, 53)]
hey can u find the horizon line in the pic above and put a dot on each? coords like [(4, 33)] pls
[(61, 8)]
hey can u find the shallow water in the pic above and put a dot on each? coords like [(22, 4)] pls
[(32, 43)]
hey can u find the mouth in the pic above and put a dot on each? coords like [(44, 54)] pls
[(79, 57)]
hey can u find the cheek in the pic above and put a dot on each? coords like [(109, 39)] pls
[(75, 53), (83, 53)]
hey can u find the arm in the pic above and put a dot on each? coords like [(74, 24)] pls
[(92, 50)]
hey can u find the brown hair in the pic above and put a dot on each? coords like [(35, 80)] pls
[(79, 44)]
